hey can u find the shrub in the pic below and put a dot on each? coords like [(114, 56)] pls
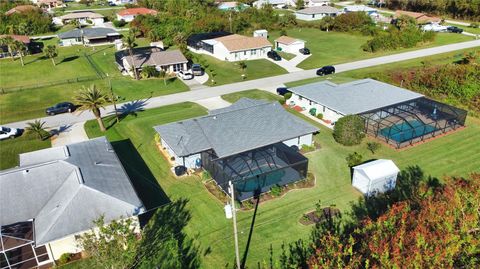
[(307, 148), (64, 258), (354, 159), (287, 96), (352, 21), (206, 175), (149, 71), (156, 137), (282, 101), (119, 23), (247, 204), (474, 25), (276, 190), (320, 116), (373, 146), (348, 130)]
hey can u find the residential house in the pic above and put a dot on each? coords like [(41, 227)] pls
[(230, 47), (56, 194), (316, 13), (22, 9), (231, 6), (420, 18), (129, 14), (252, 143), (22, 38), (170, 61), (49, 3), (273, 3), (84, 17), (289, 44), (89, 36), (317, 3), (395, 115), (360, 8)]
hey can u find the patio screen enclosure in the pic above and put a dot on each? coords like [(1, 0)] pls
[(406, 123), (256, 171)]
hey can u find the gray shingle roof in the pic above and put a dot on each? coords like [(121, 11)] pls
[(246, 125), (96, 32), (153, 57), (318, 10), (64, 194), (355, 97)]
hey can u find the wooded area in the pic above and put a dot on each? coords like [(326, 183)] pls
[(461, 9)]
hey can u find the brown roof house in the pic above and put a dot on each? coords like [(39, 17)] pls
[(420, 18), (289, 44), (233, 47), (22, 38), (21, 9), (170, 61), (129, 14), (84, 17)]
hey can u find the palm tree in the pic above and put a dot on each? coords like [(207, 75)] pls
[(37, 127), (93, 99), (129, 43), (78, 25), (20, 48), (51, 52), (8, 41)]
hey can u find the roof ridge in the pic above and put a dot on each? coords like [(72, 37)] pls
[(242, 108), (116, 198)]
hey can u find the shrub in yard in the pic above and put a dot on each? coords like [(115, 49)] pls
[(352, 21), (282, 101), (354, 159), (156, 137), (64, 258), (119, 23), (348, 130), (320, 116), (307, 148), (149, 71), (247, 204), (276, 190), (287, 96), (474, 25), (373, 146), (206, 175)]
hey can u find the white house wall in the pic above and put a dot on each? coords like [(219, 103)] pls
[(127, 18), (222, 53), (328, 114), (292, 48), (191, 161), (312, 17), (299, 141)]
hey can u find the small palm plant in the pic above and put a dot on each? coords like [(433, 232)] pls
[(93, 99), (51, 52), (8, 42), (129, 43), (37, 127), (21, 49)]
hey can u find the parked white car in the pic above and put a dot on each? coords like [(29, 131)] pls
[(185, 75), (6, 132), (434, 27)]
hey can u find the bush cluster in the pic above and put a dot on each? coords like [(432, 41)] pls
[(276, 190), (119, 23), (348, 130), (27, 23), (395, 38)]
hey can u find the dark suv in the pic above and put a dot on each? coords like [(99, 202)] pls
[(326, 70), (304, 51), (454, 29), (60, 108), (282, 91), (274, 55), (197, 70)]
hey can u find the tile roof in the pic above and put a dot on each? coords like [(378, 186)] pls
[(22, 38), (21, 8), (152, 56), (137, 11), (419, 17), (287, 40), (81, 14), (239, 42), (318, 10), (245, 125), (65, 189), (355, 97)]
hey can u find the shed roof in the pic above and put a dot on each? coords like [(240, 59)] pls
[(355, 97), (377, 169), (318, 10), (96, 32), (245, 125), (287, 40), (65, 189)]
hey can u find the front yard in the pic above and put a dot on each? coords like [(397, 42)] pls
[(10, 148), (330, 48)]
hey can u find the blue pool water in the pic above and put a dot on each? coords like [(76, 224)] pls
[(254, 183), (403, 132)]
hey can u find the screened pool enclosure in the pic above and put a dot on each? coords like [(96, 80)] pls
[(410, 122), (256, 171)]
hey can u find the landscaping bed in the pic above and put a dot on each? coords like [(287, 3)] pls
[(318, 216)]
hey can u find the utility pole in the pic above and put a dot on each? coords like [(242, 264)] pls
[(234, 214), (113, 98)]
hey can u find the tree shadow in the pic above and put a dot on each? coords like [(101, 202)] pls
[(127, 109), (144, 182), (68, 59), (60, 129), (245, 254), (164, 244)]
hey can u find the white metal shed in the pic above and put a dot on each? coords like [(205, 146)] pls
[(376, 176)]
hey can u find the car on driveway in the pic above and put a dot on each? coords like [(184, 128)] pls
[(197, 70), (185, 75), (454, 29), (6, 132), (60, 108), (282, 91), (304, 51), (326, 70), (274, 55)]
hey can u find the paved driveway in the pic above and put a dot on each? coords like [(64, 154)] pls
[(213, 103), (67, 118)]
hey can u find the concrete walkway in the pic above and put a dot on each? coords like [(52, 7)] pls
[(69, 134), (287, 65), (213, 103), (190, 96)]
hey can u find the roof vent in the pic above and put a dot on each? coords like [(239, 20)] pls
[(26, 171), (214, 117), (97, 163)]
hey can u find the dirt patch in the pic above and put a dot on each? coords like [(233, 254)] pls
[(316, 216)]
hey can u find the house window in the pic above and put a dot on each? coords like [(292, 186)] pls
[(245, 52), (323, 108), (310, 102), (177, 67), (300, 98), (253, 52), (313, 16)]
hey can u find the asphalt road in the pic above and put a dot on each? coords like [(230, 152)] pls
[(65, 120)]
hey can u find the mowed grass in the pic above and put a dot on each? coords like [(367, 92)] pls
[(10, 148), (253, 94), (329, 48), (230, 72)]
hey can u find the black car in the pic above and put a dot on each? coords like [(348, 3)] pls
[(326, 70), (60, 108), (282, 91), (304, 51), (274, 55), (197, 70), (454, 29)]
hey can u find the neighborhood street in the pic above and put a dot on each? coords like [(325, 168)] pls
[(263, 83)]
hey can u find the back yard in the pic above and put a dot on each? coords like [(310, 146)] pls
[(334, 47)]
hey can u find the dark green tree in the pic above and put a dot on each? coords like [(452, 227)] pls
[(349, 130)]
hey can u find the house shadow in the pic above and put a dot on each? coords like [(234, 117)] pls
[(144, 182), (164, 243)]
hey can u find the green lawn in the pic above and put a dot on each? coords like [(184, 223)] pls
[(287, 56), (334, 47), (230, 72), (467, 28), (10, 148), (31, 103), (277, 221), (254, 94)]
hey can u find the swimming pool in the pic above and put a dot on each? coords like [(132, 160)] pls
[(253, 183), (403, 131)]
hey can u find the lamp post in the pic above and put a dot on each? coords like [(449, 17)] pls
[(113, 98)]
